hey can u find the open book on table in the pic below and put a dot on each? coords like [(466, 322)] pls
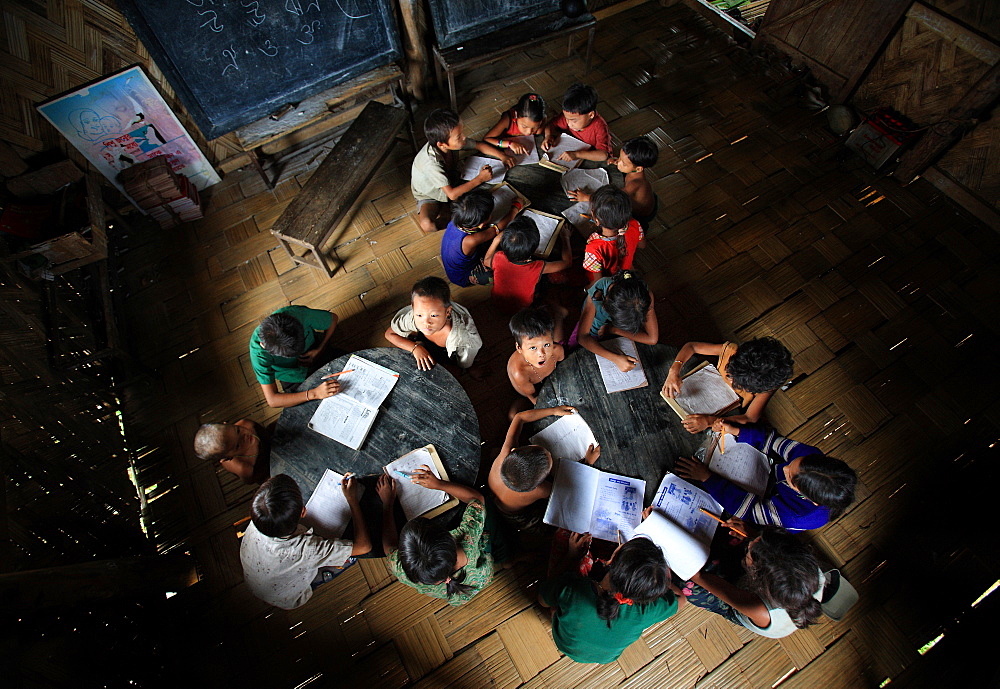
[(416, 500), (587, 499), (549, 226), (614, 379), (503, 196), (523, 158), (348, 416), (567, 439), (565, 142), (678, 527), (740, 463), (474, 164), (327, 511), (587, 181), (703, 391)]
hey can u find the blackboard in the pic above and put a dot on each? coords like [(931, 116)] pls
[(233, 62), (456, 21)]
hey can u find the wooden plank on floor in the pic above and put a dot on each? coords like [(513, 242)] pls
[(422, 647), (529, 643)]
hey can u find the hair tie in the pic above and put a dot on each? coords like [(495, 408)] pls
[(622, 600), (626, 275), (532, 97)]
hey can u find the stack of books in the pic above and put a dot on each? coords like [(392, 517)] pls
[(168, 197)]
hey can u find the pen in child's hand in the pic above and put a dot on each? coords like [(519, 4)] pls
[(338, 373), (403, 474)]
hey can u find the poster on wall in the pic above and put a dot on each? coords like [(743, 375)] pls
[(121, 120)]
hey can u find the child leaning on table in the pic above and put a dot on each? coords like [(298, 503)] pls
[(619, 306), (282, 560), (580, 119), (635, 156), (519, 477), (287, 346), (612, 248), (464, 242), (454, 565), (754, 370), (526, 118), (516, 273), (433, 328), (537, 350), (429, 173)]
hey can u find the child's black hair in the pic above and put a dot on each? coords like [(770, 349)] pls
[(827, 481), (433, 287), (612, 209), (760, 365), (639, 573), (438, 126), (277, 506), (579, 99), (525, 468), (532, 106), (520, 240), (428, 554), (530, 323), (784, 571), (627, 301), (472, 209), (641, 151), (282, 335)]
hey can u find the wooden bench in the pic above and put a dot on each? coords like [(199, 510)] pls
[(330, 193), (486, 49)]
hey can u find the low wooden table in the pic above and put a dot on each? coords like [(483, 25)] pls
[(640, 435), (424, 407), (480, 51)]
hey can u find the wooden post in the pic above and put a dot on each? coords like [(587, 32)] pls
[(942, 135), (414, 46)]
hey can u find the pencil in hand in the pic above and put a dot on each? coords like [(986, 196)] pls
[(338, 373), (722, 521)]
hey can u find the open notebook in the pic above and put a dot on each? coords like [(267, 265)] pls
[(587, 181), (549, 227), (523, 158), (587, 499), (474, 164), (327, 511), (503, 196), (416, 500), (614, 379), (566, 439), (565, 142), (348, 416), (678, 527), (703, 391), (742, 464)]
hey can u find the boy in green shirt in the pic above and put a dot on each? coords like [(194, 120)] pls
[(286, 346)]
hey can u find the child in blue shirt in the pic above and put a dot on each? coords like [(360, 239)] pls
[(467, 237)]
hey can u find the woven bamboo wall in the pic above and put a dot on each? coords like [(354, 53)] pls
[(49, 48), (922, 73)]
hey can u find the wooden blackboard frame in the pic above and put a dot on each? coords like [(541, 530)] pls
[(214, 124), (447, 34)]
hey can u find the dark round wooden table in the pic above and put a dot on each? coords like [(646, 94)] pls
[(640, 435), (424, 408)]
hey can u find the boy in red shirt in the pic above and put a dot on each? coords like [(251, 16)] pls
[(579, 118)]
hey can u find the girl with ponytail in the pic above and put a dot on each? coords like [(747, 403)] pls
[(524, 119), (454, 565), (594, 622), (780, 591), (619, 306), (612, 248)]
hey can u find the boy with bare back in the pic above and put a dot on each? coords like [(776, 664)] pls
[(537, 351)]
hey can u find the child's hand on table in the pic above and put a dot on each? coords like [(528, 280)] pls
[(578, 195), (695, 423), (672, 385), (593, 452), (646, 512), (517, 147), (426, 478), (386, 489), (735, 524), (507, 160), (721, 426), (485, 174), (328, 388), (549, 142), (350, 487), (685, 467), (625, 363), (425, 362), (567, 155), (564, 410)]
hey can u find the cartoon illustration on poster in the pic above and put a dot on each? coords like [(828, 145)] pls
[(121, 120)]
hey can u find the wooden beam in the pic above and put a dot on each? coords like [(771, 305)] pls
[(960, 118), (966, 39), (801, 12)]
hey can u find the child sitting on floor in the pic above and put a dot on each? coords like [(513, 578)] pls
[(808, 488), (454, 565), (433, 328), (282, 560), (526, 118), (635, 156), (754, 370), (242, 448), (580, 119), (519, 477), (429, 173), (516, 273), (536, 351), (287, 346), (619, 306), (463, 244), (613, 247), (594, 622)]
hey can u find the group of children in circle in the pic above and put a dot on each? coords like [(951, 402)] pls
[(769, 581)]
